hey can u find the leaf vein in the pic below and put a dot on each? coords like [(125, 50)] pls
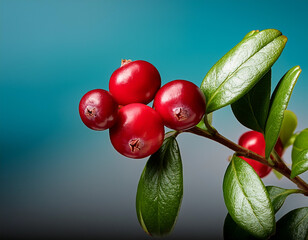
[(242, 188), (235, 71)]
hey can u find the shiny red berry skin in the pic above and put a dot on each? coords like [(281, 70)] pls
[(181, 104), (134, 82), (139, 131), (98, 110), (255, 142), (279, 147)]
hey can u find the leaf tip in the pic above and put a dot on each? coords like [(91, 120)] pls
[(284, 38), (298, 68)]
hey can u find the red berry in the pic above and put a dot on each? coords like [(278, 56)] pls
[(181, 104), (139, 131), (255, 142), (98, 110), (279, 147), (134, 82)]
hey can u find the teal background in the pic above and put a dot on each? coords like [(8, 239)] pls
[(59, 179)]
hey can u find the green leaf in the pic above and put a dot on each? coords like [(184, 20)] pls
[(170, 133), (278, 195), (160, 190), (252, 109), (277, 174), (241, 68), (210, 118), (201, 124), (232, 231), (247, 199), (293, 225), (288, 127), (300, 163), (251, 33), (300, 143), (279, 103)]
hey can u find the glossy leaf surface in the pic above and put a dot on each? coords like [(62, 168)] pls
[(300, 143), (300, 163), (160, 190), (241, 68), (278, 195), (288, 126), (277, 174), (251, 110), (247, 199), (201, 124), (293, 225), (251, 33), (279, 103)]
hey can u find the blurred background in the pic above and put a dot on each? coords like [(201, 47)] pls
[(61, 180)]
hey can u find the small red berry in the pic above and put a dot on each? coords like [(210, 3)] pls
[(98, 110), (279, 147), (134, 82), (255, 142), (139, 131), (181, 104)]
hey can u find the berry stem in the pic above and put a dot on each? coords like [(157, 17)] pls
[(278, 164)]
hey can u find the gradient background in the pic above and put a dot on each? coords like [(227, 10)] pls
[(59, 179)]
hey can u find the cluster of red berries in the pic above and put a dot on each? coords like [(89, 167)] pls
[(137, 130), (255, 142)]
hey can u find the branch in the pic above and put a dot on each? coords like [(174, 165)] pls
[(278, 164)]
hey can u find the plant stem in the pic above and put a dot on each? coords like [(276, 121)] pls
[(278, 164)]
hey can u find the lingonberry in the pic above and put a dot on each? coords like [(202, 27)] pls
[(98, 110), (134, 82), (279, 147), (255, 142), (138, 132), (180, 103)]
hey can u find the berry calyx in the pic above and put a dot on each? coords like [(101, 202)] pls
[(139, 131), (255, 142), (181, 104), (98, 110), (134, 82)]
